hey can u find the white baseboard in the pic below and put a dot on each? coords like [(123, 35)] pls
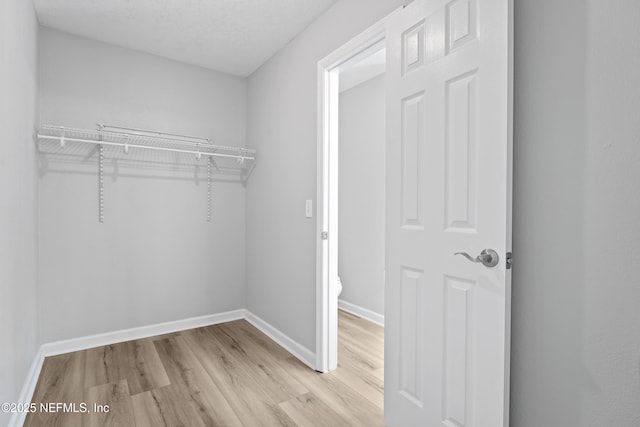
[(365, 313), (83, 343), (17, 419), (305, 355)]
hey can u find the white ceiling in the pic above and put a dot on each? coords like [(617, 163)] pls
[(232, 36)]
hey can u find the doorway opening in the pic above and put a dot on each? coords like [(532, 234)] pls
[(361, 185), (357, 63)]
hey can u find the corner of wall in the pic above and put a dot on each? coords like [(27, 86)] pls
[(281, 245), (18, 216)]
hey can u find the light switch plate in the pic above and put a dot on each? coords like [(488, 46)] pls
[(308, 209)]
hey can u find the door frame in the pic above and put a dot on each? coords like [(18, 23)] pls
[(327, 190)]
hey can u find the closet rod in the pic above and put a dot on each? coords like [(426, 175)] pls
[(149, 147), (171, 137)]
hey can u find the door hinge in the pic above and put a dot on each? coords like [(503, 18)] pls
[(325, 235), (509, 260)]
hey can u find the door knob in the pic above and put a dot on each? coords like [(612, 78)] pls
[(488, 257)]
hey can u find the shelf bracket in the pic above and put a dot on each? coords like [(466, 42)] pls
[(208, 188), (100, 183)]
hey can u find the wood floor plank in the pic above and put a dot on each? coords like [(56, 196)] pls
[(347, 319), (365, 383), (145, 370), (134, 361), (350, 355), (308, 410), (369, 339), (259, 360), (193, 384), (260, 339), (359, 332), (170, 406), (364, 347), (379, 373), (99, 363), (161, 337), (249, 398), (146, 410), (337, 395), (58, 383), (115, 406)]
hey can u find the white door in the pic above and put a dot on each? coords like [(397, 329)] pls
[(447, 319)]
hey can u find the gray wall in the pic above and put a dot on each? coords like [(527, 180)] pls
[(576, 316), (18, 201), (281, 243), (611, 294), (361, 194), (576, 321), (155, 258)]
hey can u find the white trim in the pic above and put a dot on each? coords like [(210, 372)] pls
[(83, 343), (362, 312), (305, 355), (29, 387), (326, 250)]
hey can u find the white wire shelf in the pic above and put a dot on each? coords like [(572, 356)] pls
[(129, 139), (115, 145)]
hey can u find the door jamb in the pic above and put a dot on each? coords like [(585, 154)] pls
[(327, 192)]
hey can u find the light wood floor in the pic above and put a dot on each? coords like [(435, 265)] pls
[(223, 375)]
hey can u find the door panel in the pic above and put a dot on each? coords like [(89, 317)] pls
[(411, 340), (460, 150), (413, 134), (448, 182), (458, 351)]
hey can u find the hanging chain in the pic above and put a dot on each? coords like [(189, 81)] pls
[(208, 188), (100, 183)]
